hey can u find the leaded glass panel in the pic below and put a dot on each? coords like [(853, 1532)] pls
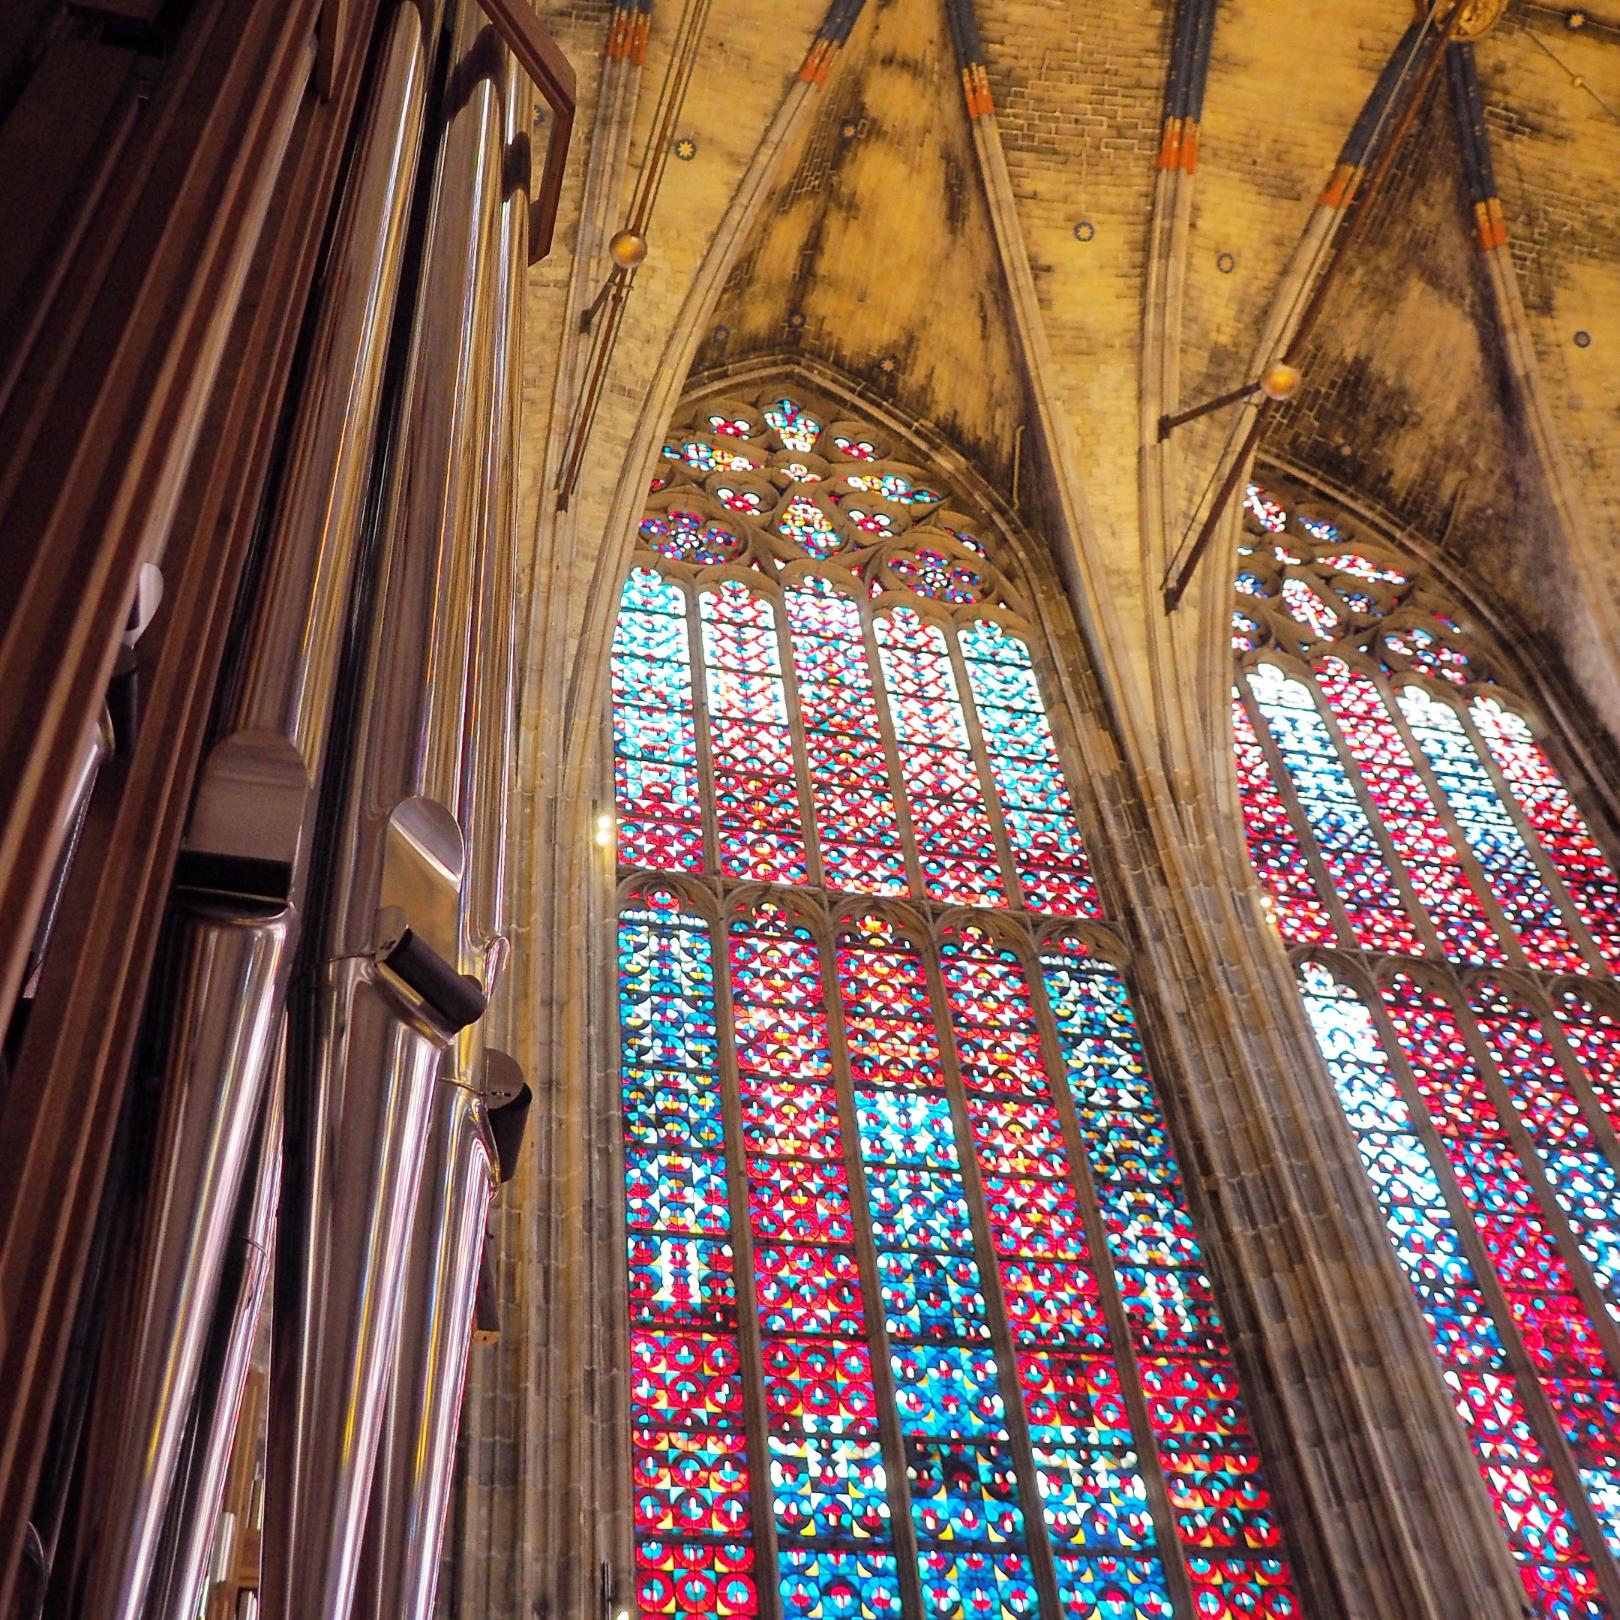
[(1402, 806), (921, 1322)]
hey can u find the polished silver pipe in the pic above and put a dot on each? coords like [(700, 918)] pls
[(393, 994), (193, 1517), (93, 754), (222, 1034), (411, 1489), (415, 1470), (491, 745), (242, 867), (338, 1281)]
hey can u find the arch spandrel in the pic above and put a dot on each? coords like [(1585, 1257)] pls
[(1091, 938), (690, 892)]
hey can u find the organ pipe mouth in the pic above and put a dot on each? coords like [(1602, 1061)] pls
[(239, 877)]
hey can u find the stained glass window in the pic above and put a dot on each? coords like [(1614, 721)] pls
[(921, 1323), (1453, 914)]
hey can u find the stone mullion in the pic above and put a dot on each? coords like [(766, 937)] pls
[(1519, 1362), (815, 874), (1032, 1507), (1480, 882), (1568, 911), (1573, 920), (700, 727), (995, 811), (1604, 1131), (900, 791), (903, 1527), (756, 1426), (1604, 1135), (1530, 1164), (1416, 912), (1309, 844), (1172, 1553)]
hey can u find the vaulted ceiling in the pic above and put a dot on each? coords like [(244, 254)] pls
[(856, 229), (875, 254)]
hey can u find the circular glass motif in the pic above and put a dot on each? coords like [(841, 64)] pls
[(1422, 650), (929, 572), (1268, 513), (894, 487), (795, 426), (1352, 562), (707, 456), (806, 525), (875, 523), (1308, 608), (749, 501), (963, 538), (689, 537)]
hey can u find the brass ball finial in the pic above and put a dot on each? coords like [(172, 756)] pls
[(1469, 19), (627, 249), (1280, 380)]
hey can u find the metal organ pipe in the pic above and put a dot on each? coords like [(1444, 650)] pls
[(393, 1085), (416, 1463), (244, 868), (489, 759), (194, 1509), (220, 1041)]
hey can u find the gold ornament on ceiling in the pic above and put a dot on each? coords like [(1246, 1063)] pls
[(1472, 19)]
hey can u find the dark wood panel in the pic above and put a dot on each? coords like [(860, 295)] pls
[(97, 429), (65, 134), (57, 1117)]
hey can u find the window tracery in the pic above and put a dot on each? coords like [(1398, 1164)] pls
[(921, 1324), (1453, 916)]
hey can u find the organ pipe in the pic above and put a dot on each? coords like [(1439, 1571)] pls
[(314, 1125), (387, 1088)]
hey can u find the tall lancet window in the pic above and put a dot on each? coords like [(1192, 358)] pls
[(1457, 928), (920, 1323)]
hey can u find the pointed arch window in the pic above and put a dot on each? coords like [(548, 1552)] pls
[(1456, 925), (921, 1325)]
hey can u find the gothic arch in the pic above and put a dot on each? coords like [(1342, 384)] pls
[(1454, 919), (997, 1243)]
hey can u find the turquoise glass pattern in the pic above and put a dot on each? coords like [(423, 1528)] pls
[(654, 732), (950, 823), (690, 1451), (1449, 1277), (1053, 871), (857, 826)]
